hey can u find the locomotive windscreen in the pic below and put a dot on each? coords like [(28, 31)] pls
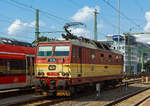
[(61, 50), (45, 51)]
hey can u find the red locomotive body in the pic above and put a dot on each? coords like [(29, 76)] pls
[(16, 64)]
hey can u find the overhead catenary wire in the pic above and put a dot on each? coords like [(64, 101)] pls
[(121, 13), (40, 10), (2, 33), (113, 25), (48, 15), (11, 3), (139, 5), (75, 3)]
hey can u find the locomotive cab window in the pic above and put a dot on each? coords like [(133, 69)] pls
[(62, 50), (45, 51)]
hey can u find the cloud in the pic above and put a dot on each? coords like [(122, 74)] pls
[(143, 38), (52, 27), (147, 16), (80, 32), (84, 14), (148, 42), (100, 26), (19, 28)]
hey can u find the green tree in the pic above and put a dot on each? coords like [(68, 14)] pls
[(43, 39)]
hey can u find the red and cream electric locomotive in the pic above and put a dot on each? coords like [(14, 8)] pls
[(64, 66)]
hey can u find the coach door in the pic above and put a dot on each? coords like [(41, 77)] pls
[(30, 69)]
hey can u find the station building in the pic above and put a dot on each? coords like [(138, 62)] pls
[(127, 45)]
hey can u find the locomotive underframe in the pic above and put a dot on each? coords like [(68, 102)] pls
[(66, 87)]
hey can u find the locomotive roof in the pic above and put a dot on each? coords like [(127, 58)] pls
[(14, 42), (99, 45)]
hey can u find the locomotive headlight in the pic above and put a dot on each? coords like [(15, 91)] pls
[(67, 74), (63, 74), (39, 73), (42, 73)]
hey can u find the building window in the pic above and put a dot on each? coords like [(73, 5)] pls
[(102, 57), (110, 58)]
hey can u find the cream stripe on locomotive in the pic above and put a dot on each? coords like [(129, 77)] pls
[(74, 70)]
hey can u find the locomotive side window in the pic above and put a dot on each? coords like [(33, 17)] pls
[(78, 52), (73, 52), (92, 55), (102, 57), (117, 59), (110, 58), (62, 50), (45, 51)]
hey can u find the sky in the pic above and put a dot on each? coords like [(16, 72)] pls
[(17, 18)]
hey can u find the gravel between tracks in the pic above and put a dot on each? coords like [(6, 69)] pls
[(109, 96)]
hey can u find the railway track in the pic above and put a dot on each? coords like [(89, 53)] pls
[(15, 92), (44, 100), (48, 100), (124, 98)]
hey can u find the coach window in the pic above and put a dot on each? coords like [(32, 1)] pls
[(110, 58), (73, 52), (17, 67), (78, 52), (3, 67), (45, 51), (117, 59), (102, 57)]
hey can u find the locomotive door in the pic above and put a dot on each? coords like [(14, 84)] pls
[(79, 55), (29, 69)]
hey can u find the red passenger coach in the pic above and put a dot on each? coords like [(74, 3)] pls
[(16, 64)]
